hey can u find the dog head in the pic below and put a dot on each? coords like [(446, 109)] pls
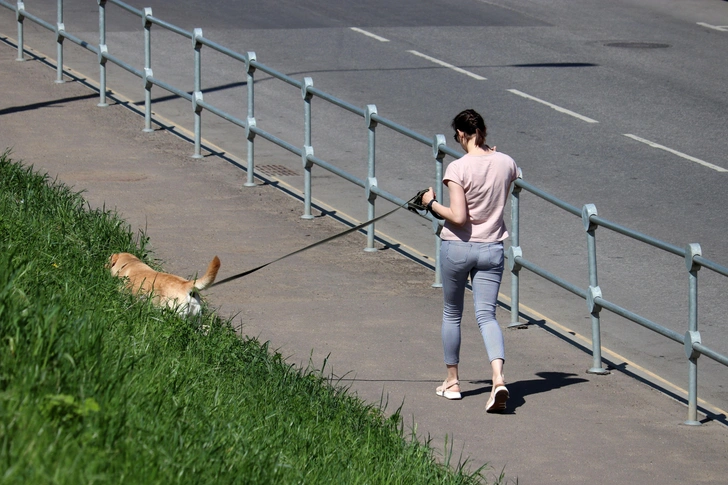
[(111, 264), (118, 261)]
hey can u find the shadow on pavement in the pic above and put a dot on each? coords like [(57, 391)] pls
[(549, 381)]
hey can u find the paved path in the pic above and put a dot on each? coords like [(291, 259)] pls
[(372, 317)]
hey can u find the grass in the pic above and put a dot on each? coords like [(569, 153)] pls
[(97, 386)]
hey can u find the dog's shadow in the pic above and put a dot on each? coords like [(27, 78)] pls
[(549, 381)]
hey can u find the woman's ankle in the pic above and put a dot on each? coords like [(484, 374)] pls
[(452, 374)]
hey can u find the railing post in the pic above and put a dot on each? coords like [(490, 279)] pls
[(692, 336), (197, 96), (594, 292), (59, 43), (307, 147), (102, 50), (147, 89), (20, 16), (250, 136), (147, 68), (371, 173), (437, 144), (250, 70), (514, 252)]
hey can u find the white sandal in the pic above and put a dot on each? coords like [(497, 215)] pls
[(443, 390), (497, 401)]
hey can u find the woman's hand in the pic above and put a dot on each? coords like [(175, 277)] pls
[(428, 196)]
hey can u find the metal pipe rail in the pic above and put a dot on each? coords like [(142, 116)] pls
[(550, 277), (22, 12), (127, 67), (274, 139), (125, 6), (222, 49), (618, 310), (711, 265), (222, 114), (403, 130), (79, 42), (167, 26), (278, 75), (670, 248), (548, 197), (337, 102), (591, 221), (335, 170), (168, 87)]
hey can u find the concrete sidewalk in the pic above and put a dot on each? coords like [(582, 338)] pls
[(372, 317)]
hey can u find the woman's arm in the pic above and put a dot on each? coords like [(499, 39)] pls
[(457, 213)]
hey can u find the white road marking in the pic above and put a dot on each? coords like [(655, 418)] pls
[(449, 66), (675, 152), (557, 108), (722, 28), (369, 34)]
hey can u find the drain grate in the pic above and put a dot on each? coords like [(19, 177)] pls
[(275, 170), (637, 45)]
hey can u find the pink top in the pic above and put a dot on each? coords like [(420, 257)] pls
[(486, 180)]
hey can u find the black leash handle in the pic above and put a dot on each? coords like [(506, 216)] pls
[(318, 243)]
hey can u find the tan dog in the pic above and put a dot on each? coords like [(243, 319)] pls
[(166, 289)]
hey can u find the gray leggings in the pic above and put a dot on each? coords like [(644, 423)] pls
[(483, 262)]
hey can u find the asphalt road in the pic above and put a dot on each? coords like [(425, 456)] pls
[(621, 104)]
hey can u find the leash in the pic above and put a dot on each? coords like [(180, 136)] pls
[(414, 205)]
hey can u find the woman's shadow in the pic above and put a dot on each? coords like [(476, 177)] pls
[(518, 390)]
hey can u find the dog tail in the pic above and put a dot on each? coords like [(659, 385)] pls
[(209, 277)]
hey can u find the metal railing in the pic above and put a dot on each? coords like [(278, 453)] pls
[(692, 256)]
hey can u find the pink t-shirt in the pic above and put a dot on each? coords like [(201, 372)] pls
[(486, 180)]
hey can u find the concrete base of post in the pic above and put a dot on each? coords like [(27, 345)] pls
[(600, 371)]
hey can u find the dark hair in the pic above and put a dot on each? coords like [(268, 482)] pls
[(471, 123)]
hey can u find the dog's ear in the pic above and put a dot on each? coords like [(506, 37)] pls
[(112, 260)]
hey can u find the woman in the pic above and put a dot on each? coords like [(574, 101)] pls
[(472, 246)]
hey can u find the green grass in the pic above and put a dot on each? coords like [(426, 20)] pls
[(99, 387)]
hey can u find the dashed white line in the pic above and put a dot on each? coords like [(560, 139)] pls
[(550, 105), (675, 152), (449, 66), (369, 34), (722, 28), (556, 107)]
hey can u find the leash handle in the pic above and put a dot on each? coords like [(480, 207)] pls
[(415, 205), (318, 243)]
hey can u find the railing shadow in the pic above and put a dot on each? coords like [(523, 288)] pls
[(45, 104)]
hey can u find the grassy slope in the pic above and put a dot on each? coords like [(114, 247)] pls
[(98, 387)]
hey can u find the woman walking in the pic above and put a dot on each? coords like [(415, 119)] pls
[(472, 246)]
